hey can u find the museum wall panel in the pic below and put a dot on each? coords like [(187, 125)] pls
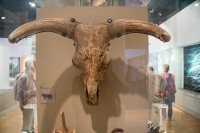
[(183, 27), (4, 67), (121, 106), (23, 47), (7, 101)]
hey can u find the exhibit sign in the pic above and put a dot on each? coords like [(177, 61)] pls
[(47, 95)]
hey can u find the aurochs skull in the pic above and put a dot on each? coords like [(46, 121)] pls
[(91, 43)]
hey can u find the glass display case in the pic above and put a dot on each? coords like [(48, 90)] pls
[(127, 100)]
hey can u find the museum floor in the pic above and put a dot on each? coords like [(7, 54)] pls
[(181, 123)]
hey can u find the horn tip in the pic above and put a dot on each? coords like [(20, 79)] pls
[(165, 37), (11, 39)]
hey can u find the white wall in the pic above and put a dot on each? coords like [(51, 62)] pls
[(184, 29), (4, 67), (22, 48)]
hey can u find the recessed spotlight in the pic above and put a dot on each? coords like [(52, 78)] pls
[(3, 17), (32, 4), (196, 4), (160, 14)]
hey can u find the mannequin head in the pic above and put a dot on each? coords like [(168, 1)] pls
[(166, 67)]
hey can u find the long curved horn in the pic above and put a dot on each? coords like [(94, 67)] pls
[(62, 26), (121, 27)]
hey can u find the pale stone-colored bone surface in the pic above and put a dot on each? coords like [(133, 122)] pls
[(91, 41)]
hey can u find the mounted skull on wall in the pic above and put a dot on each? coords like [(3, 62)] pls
[(91, 43)]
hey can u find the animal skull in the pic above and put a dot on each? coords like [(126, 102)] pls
[(91, 41)]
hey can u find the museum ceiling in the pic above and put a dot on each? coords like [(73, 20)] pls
[(14, 13)]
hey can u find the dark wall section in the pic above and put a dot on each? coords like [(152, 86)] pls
[(192, 68), (161, 10)]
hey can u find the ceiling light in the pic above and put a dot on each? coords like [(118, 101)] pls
[(196, 4), (32, 4), (3, 17), (160, 14)]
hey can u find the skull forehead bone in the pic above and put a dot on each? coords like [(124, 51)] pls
[(91, 57), (91, 41)]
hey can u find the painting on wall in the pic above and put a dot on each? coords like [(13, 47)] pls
[(14, 65), (192, 68)]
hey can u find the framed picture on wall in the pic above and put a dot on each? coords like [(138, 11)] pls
[(192, 68), (47, 95)]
